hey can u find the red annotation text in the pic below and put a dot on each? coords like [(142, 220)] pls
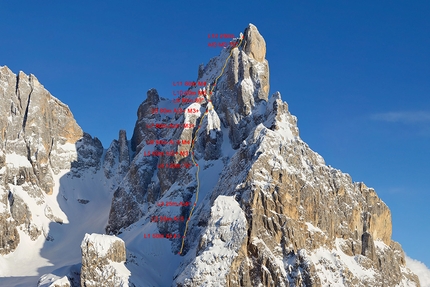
[(174, 165), (164, 142), (159, 235), (170, 126), (223, 44), (185, 100), (166, 153), (190, 83), (220, 36), (156, 218), (188, 93), (184, 93), (176, 110), (173, 203)]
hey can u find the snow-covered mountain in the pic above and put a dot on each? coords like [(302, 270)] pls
[(266, 210)]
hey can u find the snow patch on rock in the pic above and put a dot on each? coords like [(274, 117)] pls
[(219, 245)]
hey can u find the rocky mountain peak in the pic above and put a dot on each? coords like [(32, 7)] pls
[(254, 46), (35, 126), (297, 212), (39, 139), (222, 181)]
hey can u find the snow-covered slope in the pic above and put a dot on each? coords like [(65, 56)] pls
[(266, 210), (52, 188)]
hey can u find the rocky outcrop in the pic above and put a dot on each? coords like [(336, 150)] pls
[(54, 281), (103, 258), (39, 138), (117, 159), (277, 215), (239, 100), (218, 247), (297, 210), (9, 237), (254, 46), (242, 91), (36, 125), (145, 116), (90, 151)]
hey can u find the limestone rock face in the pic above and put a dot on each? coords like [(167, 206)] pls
[(89, 152), (135, 189), (255, 46), (298, 209), (54, 281), (39, 138), (243, 90), (269, 212), (239, 101), (36, 126), (102, 261), (9, 234), (225, 231), (117, 159), (144, 116)]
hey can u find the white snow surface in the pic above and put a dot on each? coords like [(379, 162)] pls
[(313, 228), (16, 160), (420, 269), (32, 259), (222, 239), (101, 242), (330, 265), (50, 280), (116, 273)]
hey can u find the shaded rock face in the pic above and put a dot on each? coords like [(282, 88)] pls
[(89, 153), (35, 125), (102, 261), (287, 218), (243, 90), (39, 138), (144, 115), (239, 102), (54, 281), (297, 207), (116, 163), (135, 189), (9, 234)]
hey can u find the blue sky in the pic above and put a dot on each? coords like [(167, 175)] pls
[(355, 73)]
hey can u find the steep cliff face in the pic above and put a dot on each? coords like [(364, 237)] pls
[(307, 224), (271, 213), (39, 139), (266, 209), (103, 258)]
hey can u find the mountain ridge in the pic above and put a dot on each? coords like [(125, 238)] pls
[(276, 216)]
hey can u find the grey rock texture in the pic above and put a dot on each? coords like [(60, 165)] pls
[(39, 137), (287, 218), (35, 125), (239, 101), (9, 238), (144, 117), (117, 159), (54, 281), (243, 90), (274, 213), (99, 255), (131, 193), (296, 206), (254, 46)]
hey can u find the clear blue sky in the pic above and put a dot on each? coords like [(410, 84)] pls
[(355, 73)]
